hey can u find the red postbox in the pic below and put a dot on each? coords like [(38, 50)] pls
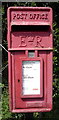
[(30, 46)]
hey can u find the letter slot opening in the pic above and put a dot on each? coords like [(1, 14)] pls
[(32, 28)]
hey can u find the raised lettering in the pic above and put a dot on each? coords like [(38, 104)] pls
[(32, 16), (46, 16), (18, 16), (37, 17), (21, 17), (26, 16), (23, 42), (14, 16), (43, 16), (38, 42), (31, 40)]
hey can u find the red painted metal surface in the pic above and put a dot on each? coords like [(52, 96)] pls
[(30, 30)]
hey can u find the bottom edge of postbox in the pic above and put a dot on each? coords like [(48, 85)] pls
[(31, 110)]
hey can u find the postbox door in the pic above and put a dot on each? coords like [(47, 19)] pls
[(20, 60), (28, 78)]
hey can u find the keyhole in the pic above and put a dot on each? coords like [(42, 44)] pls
[(18, 80)]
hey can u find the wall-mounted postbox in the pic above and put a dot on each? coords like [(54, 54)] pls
[(30, 48)]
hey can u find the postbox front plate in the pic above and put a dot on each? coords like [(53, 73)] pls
[(30, 75)]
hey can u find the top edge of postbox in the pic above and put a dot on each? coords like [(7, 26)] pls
[(30, 8), (29, 15)]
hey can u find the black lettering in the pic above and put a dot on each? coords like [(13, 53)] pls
[(14, 16), (32, 16), (25, 15), (18, 16), (46, 16), (21, 16), (43, 15), (37, 16)]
